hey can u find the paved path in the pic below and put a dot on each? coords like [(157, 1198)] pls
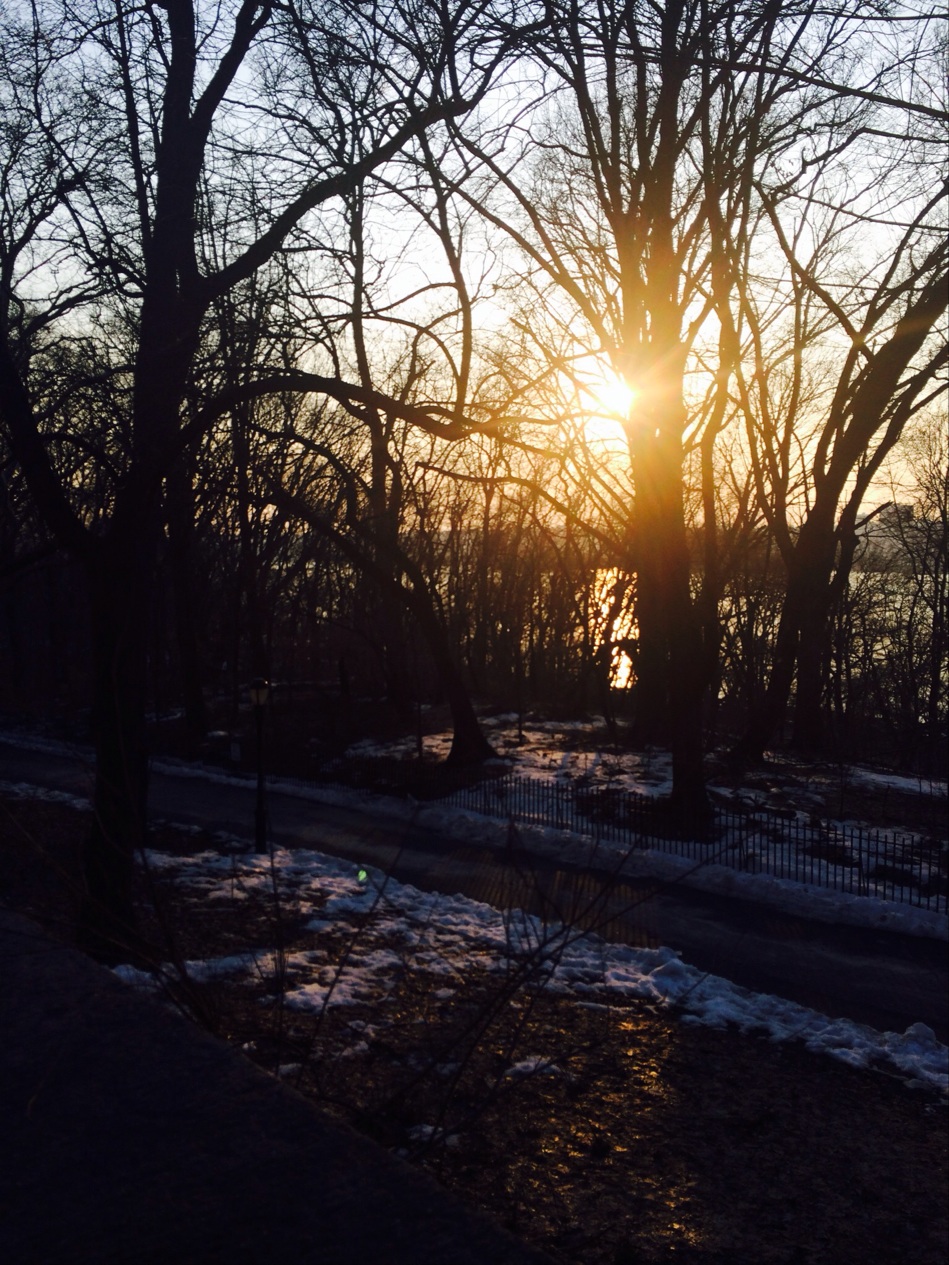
[(130, 1137), (881, 978)]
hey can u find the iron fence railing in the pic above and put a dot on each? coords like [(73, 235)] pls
[(892, 865)]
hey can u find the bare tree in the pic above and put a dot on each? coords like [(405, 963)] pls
[(121, 123), (629, 190), (658, 178), (830, 376), (888, 668)]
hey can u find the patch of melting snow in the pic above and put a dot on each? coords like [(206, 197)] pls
[(898, 781), (533, 1065), (25, 790), (644, 773), (453, 935), (147, 981)]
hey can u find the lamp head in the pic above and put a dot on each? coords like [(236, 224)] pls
[(259, 691)]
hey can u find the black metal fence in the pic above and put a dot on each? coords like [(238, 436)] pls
[(788, 845), (894, 866)]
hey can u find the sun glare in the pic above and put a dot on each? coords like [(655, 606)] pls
[(613, 396), (609, 400)]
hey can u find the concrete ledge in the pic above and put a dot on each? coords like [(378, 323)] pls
[(127, 1135)]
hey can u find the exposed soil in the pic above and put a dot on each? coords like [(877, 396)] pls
[(641, 1138)]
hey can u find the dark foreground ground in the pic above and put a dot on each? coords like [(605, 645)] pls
[(131, 1136), (660, 1141)]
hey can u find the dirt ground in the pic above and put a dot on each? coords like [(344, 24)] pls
[(646, 1139)]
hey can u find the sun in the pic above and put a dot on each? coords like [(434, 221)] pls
[(608, 401), (613, 395)]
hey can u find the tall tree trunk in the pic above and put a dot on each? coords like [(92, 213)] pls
[(808, 729), (120, 582), (655, 350), (670, 634), (181, 546), (122, 567), (806, 607), (650, 726)]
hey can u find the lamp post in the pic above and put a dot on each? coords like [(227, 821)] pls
[(259, 693)]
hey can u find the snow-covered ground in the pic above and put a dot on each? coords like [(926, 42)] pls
[(392, 927), (449, 934), (558, 750), (568, 847)]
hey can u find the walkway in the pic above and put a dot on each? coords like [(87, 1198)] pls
[(130, 1137), (880, 978)]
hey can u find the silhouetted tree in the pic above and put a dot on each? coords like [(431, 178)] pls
[(120, 123)]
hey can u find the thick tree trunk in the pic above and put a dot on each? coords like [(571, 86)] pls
[(804, 613), (120, 581), (671, 662), (122, 567), (808, 728), (651, 718), (468, 743), (181, 546)]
